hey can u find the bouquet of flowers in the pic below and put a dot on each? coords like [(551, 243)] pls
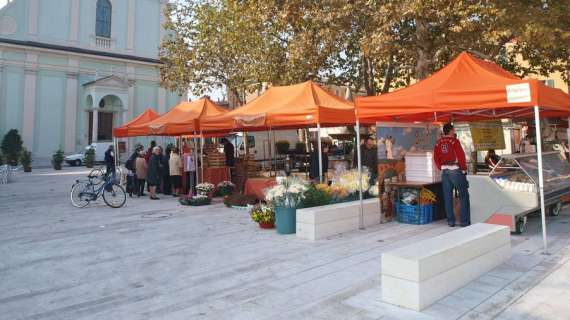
[(204, 188), (349, 180), (225, 188), (262, 214), (288, 192)]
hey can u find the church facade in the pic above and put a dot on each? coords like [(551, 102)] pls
[(71, 70)]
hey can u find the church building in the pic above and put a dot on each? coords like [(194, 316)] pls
[(71, 70)]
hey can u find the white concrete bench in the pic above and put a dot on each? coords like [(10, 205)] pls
[(325, 221), (417, 275)]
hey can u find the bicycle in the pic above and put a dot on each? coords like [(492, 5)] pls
[(83, 192), (100, 173)]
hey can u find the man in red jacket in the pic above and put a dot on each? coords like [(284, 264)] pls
[(449, 157)]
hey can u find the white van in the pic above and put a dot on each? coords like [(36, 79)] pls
[(78, 159)]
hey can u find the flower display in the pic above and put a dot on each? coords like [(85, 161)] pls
[(262, 214), (198, 200), (289, 192), (204, 188), (349, 180), (225, 188)]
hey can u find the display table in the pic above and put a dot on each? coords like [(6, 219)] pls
[(435, 187), (216, 175), (256, 186)]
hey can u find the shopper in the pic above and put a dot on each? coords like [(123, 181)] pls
[(153, 174), (141, 173), (449, 157), (229, 152), (369, 154), (165, 157), (175, 166), (149, 151), (314, 173), (190, 169), (110, 161)]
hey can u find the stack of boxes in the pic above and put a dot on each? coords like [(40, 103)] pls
[(420, 167)]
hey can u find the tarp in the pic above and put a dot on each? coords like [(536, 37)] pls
[(184, 119), (127, 129), (466, 89), (297, 106)]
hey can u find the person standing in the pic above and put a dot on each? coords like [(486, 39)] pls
[(153, 174), (369, 154), (229, 152), (110, 161), (314, 164), (165, 157), (190, 170), (175, 167), (141, 172), (449, 157)]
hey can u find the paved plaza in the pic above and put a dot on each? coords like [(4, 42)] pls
[(160, 260)]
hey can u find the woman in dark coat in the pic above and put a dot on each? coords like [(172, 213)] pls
[(153, 174), (314, 164)]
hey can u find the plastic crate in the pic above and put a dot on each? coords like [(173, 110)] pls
[(420, 214)]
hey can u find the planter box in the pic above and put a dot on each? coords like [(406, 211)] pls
[(325, 221), (417, 275)]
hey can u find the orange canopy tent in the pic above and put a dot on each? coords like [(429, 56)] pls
[(128, 129), (466, 89), (470, 89), (184, 119), (301, 105)]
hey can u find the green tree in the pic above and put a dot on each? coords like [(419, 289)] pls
[(12, 147)]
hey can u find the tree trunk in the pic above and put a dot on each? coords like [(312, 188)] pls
[(368, 76), (424, 63), (389, 75)]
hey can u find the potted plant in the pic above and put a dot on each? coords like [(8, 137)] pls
[(205, 189), (282, 146), (286, 197), (57, 159), (264, 216), (12, 147), (198, 200), (26, 160), (225, 188), (89, 158)]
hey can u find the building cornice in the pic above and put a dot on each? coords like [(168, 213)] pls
[(77, 51)]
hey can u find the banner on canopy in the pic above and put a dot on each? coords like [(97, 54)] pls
[(487, 135)]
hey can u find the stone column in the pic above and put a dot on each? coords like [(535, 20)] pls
[(161, 100), (74, 25), (131, 16), (33, 14), (163, 4), (95, 128), (131, 94), (29, 112), (71, 112)]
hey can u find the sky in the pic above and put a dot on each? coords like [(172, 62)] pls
[(3, 3)]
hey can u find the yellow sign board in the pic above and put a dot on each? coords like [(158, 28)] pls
[(487, 135)]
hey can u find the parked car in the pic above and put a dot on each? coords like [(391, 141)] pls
[(77, 159)]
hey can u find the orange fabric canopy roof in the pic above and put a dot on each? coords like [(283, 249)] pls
[(184, 119), (127, 130), (466, 89), (297, 106)]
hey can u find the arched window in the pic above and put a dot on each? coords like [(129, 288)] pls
[(103, 19)]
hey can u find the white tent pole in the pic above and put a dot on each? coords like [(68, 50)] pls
[(320, 152), (195, 155), (201, 156), (540, 177), (359, 160)]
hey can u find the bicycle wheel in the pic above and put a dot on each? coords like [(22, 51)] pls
[(114, 195), (79, 198)]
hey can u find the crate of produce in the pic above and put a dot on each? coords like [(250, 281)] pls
[(418, 214)]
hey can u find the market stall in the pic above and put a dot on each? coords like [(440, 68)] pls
[(286, 107), (471, 89)]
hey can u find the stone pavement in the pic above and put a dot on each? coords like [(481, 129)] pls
[(160, 260)]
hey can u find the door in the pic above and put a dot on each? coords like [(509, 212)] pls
[(105, 126)]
